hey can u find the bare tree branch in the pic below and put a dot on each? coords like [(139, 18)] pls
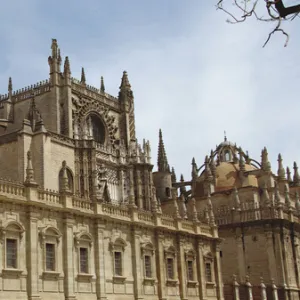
[(276, 12)]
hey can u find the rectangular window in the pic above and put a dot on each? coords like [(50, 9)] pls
[(148, 269), (170, 268), (118, 264), (11, 253), (84, 261), (208, 275), (50, 257), (190, 270)]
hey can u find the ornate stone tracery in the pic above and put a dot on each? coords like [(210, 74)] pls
[(83, 107)]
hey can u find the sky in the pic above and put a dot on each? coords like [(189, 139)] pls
[(193, 75)]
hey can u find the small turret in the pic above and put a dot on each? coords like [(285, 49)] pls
[(162, 178)]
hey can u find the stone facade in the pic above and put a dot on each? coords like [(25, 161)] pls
[(82, 216), (258, 215)]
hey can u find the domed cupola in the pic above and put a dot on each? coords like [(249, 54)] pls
[(230, 167)]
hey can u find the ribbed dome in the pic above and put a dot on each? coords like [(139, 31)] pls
[(227, 177)]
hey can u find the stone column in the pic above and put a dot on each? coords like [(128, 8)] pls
[(68, 247), (138, 275), (200, 271), (161, 266), (121, 187), (100, 261), (139, 190), (32, 247)]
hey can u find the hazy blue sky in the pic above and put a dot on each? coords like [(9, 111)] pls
[(193, 75)]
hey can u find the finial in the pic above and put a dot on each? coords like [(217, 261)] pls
[(83, 81), (181, 178), (225, 137), (162, 161), (296, 178), (281, 171), (29, 171), (10, 87), (173, 175), (125, 82), (102, 87), (54, 48), (288, 174), (194, 169), (195, 213), (67, 69), (58, 56)]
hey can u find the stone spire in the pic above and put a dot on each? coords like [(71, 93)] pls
[(125, 82), (281, 171), (173, 175), (296, 178), (194, 169), (162, 161), (208, 174), (195, 213), (10, 87), (67, 68), (29, 171), (288, 174), (59, 60), (102, 87), (265, 164), (54, 48), (83, 80), (213, 164)]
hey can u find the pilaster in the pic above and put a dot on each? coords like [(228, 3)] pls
[(160, 262), (136, 264), (181, 269), (100, 261), (32, 256), (200, 270), (69, 258), (218, 272)]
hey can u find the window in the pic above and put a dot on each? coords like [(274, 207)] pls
[(227, 155), (84, 259), (50, 257), (170, 268), (118, 263), (11, 253), (148, 267), (98, 129), (190, 270), (208, 274)]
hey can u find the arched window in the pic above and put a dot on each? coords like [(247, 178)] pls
[(227, 155), (98, 129)]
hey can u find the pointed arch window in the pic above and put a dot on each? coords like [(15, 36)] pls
[(97, 128)]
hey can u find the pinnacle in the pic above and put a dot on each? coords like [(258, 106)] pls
[(67, 68), (162, 161), (125, 82), (102, 87), (10, 87), (82, 76)]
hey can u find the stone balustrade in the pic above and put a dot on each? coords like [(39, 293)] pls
[(68, 202)]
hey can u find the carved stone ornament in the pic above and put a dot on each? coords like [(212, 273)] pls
[(83, 107)]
